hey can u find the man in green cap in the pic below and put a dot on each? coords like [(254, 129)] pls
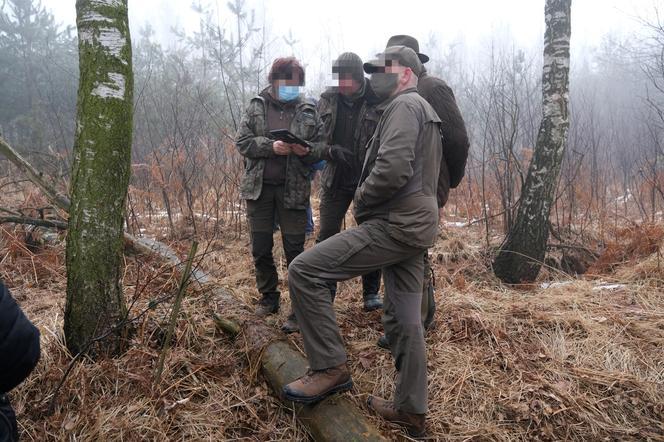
[(396, 208), (453, 163), (349, 119)]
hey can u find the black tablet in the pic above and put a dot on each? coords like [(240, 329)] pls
[(286, 136)]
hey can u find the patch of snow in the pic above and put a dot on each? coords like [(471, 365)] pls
[(609, 287), (551, 285)]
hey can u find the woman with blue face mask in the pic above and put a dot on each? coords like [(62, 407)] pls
[(276, 180)]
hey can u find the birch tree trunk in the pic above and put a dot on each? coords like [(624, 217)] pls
[(521, 255), (100, 176)]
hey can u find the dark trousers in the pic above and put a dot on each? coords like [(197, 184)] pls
[(333, 207), (292, 222), (8, 425), (351, 253)]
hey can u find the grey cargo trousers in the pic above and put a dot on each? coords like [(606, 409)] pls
[(354, 252)]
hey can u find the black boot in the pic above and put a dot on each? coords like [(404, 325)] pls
[(383, 342), (268, 305), (332, 285), (370, 288), (372, 301), (290, 326)]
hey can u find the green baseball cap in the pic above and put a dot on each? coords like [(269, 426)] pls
[(403, 54)]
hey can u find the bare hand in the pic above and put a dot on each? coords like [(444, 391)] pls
[(299, 150), (281, 148)]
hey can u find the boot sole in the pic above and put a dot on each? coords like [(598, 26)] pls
[(372, 308), (412, 432), (385, 346), (313, 399), (289, 331)]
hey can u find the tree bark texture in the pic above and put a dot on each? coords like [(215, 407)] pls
[(521, 255), (335, 418), (100, 174)]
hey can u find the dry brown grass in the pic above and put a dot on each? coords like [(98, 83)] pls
[(568, 362)]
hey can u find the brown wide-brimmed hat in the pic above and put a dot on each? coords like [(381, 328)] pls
[(403, 54), (408, 41)]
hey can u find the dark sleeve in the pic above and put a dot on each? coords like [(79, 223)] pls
[(19, 343), (455, 137), (319, 148)]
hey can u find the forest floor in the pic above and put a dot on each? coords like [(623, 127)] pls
[(567, 358)]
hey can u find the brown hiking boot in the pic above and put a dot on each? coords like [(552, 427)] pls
[(414, 423), (317, 385)]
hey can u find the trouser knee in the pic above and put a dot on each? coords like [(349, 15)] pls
[(406, 341), (261, 247), (296, 269), (293, 246)]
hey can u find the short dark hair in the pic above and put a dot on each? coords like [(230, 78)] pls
[(284, 69)]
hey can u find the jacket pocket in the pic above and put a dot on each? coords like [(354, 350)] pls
[(306, 124), (348, 244)]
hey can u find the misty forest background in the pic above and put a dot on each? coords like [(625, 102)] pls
[(574, 355), (189, 99)]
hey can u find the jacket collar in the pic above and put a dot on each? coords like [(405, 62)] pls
[(382, 106)]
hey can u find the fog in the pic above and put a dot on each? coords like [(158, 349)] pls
[(321, 31)]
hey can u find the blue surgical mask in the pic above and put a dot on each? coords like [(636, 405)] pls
[(289, 93)]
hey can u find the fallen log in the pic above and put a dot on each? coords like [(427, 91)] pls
[(33, 175), (336, 418), (132, 243), (333, 419), (49, 223)]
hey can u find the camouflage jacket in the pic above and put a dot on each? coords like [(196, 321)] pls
[(367, 122), (253, 142)]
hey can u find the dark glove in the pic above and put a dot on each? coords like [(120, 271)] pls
[(340, 155)]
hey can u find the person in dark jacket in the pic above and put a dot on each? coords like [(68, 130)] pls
[(349, 119), (455, 153), (19, 353), (276, 178)]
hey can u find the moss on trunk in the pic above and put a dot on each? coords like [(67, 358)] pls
[(100, 175)]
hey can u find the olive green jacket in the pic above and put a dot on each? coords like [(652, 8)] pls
[(253, 142), (400, 175)]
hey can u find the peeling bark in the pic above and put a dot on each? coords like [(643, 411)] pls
[(521, 255), (100, 174)]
